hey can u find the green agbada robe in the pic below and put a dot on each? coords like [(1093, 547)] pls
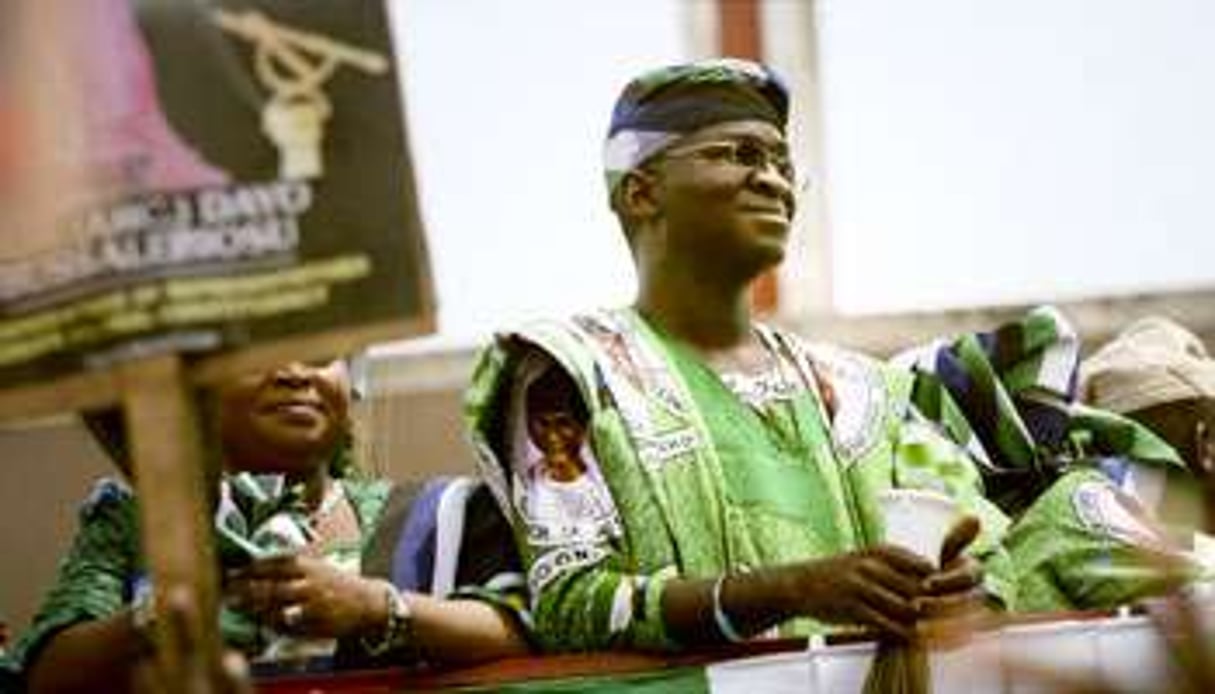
[(700, 480)]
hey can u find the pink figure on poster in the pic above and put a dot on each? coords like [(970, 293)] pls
[(81, 121), (130, 141)]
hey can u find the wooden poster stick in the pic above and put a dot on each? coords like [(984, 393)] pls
[(175, 514)]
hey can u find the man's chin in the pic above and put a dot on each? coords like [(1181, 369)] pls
[(768, 255), (754, 266), (770, 240)]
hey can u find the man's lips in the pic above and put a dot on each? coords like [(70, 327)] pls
[(771, 210)]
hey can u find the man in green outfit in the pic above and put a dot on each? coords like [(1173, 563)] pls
[(678, 474)]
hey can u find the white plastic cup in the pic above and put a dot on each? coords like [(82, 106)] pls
[(918, 520)]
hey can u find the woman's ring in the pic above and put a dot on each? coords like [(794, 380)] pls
[(293, 615)]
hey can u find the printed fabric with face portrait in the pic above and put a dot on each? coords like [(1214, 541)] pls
[(564, 498)]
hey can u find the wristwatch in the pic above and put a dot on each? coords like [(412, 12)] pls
[(398, 628)]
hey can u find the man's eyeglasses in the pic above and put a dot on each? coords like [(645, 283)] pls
[(748, 152)]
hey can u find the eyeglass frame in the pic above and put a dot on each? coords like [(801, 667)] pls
[(729, 149)]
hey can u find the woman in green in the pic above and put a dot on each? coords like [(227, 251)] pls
[(727, 473), (284, 436)]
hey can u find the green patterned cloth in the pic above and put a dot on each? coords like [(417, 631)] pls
[(1086, 544), (104, 570), (259, 516), (1008, 396), (1066, 471), (262, 516), (690, 474)]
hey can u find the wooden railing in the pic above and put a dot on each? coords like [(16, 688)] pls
[(521, 669), (1091, 643)]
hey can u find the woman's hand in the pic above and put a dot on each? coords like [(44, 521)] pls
[(309, 596)]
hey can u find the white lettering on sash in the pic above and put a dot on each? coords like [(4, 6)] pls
[(658, 449), (553, 533), (563, 560)]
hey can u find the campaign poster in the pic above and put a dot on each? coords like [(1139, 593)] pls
[(200, 177)]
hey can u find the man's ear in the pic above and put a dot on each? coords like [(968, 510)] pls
[(638, 195)]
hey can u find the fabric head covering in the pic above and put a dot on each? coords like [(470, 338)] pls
[(663, 105), (1008, 396), (1152, 362)]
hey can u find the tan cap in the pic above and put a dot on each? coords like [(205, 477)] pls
[(1153, 361)]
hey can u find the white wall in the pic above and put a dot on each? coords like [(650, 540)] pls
[(508, 102), (975, 152), (994, 151)]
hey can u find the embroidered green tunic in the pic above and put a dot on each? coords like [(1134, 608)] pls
[(691, 474)]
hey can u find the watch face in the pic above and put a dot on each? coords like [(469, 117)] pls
[(400, 620), (397, 632)]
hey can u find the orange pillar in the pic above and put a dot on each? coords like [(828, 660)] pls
[(739, 36)]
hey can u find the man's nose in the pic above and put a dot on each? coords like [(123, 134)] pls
[(769, 179)]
